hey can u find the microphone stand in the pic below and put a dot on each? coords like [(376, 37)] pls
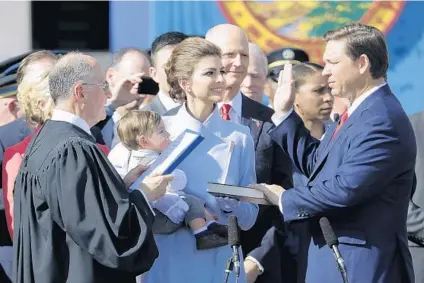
[(232, 262), (340, 263), (234, 241), (229, 268)]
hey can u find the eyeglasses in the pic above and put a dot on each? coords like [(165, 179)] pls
[(104, 86)]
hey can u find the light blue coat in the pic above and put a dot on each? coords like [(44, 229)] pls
[(225, 155)]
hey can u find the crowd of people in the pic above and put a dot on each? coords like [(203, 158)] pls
[(318, 140)]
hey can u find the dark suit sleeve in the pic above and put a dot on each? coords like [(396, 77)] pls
[(267, 252), (282, 168), (415, 221), (96, 132), (375, 157), (296, 141), (275, 258)]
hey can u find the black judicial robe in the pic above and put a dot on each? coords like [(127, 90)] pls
[(75, 221)]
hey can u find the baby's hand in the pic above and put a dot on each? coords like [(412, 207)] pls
[(179, 182)]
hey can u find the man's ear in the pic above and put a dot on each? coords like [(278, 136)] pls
[(110, 74), (364, 64), (79, 92), (153, 73)]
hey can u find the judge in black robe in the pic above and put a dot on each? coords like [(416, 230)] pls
[(74, 219)]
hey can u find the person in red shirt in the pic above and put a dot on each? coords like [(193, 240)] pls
[(37, 105)]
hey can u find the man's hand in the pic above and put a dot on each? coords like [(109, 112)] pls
[(125, 90), (272, 192), (285, 93), (154, 185), (134, 174), (252, 271)]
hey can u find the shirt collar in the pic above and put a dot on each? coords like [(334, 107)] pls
[(144, 153), (235, 104), (361, 99), (187, 121), (167, 101), (64, 116)]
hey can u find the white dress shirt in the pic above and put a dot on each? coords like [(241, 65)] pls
[(64, 116), (235, 111), (365, 95), (167, 101)]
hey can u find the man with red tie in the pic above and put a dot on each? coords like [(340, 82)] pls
[(272, 165), (360, 174)]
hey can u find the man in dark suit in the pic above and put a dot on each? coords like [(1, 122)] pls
[(127, 68), (415, 220), (360, 174), (161, 50), (272, 165)]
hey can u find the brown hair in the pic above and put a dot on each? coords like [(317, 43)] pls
[(30, 93), (183, 61), (303, 71), (32, 58), (137, 123), (362, 39)]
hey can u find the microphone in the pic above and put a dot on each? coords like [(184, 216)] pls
[(234, 242), (333, 243)]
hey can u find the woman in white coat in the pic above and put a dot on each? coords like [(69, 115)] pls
[(226, 155)]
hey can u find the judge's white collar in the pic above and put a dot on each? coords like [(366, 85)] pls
[(64, 116)]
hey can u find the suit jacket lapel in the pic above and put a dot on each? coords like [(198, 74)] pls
[(327, 144), (157, 106), (255, 127)]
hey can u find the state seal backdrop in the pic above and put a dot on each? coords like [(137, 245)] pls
[(301, 24)]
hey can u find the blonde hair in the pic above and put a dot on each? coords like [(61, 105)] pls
[(183, 60), (137, 123), (30, 94)]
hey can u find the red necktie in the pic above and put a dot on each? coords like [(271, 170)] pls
[(225, 111), (341, 122)]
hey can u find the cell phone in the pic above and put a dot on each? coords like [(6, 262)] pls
[(148, 86)]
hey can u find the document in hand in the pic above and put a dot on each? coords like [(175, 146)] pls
[(244, 194), (176, 152)]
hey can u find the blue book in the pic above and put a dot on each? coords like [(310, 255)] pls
[(169, 160)]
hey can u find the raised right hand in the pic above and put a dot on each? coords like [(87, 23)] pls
[(285, 93), (154, 185)]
